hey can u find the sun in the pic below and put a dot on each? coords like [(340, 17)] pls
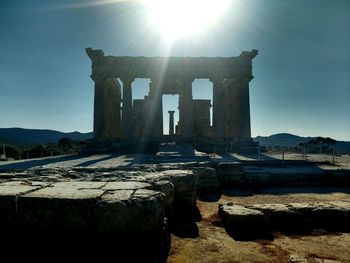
[(179, 18)]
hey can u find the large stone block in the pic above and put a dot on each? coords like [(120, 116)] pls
[(61, 207), (283, 218), (9, 195), (123, 219), (230, 174), (208, 182), (244, 223)]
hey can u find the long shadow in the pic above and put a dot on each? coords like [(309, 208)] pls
[(91, 162), (22, 165), (304, 190), (228, 158), (263, 157)]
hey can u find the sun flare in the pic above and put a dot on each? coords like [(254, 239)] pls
[(178, 18)]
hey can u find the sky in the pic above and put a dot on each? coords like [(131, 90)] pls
[(301, 79)]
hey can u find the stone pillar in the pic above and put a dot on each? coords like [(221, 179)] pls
[(99, 123), (127, 107), (171, 122), (186, 110), (107, 109), (218, 111), (245, 108), (154, 119), (112, 100), (238, 110)]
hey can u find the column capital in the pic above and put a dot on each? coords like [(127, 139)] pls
[(98, 78), (127, 80), (217, 79)]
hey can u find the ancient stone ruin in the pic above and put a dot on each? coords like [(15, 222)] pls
[(138, 124)]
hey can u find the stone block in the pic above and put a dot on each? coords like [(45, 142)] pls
[(208, 183), (230, 174), (257, 179), (59, 208), (283, 218), (244, 223), (127, 185), (167, 188), (9, 195)]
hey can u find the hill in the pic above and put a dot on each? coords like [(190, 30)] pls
[(291, 140), (23, 137)]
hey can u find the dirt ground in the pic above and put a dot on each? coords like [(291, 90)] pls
[(215, 245)]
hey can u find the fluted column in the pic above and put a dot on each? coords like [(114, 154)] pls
[(127, 106), (171, 122), (218, 111)]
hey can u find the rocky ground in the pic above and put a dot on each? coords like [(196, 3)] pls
[(215, 245), (209, 241)]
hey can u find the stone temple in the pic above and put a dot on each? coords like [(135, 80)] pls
[(137, 124)]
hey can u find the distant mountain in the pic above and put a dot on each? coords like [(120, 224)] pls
[(281, 139), (291, 140), (23, 137)]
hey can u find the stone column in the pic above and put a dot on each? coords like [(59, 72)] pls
[(112, 100), (218, 111), (245, 108), (238, 113), (171, 122), (99, 123), (186, 110), (154, 120), (127, 107)]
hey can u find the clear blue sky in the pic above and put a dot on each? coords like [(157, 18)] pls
[(302, 72)]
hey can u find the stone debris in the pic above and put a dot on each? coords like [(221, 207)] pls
[(255, 221)]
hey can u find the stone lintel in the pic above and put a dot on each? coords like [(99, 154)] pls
[(172, 67)]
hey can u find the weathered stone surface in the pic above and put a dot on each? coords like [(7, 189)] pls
[(16, 188), (258, 179), (127, 185), (244, 223), (230, 174), (298, 217), (208, 182), (167, 188), (283, 218), (327, 215), (123, 216), (129, 211)]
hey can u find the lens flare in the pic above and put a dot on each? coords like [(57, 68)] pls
[(178, 18)]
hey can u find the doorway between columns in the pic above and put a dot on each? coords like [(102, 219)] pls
[(202, 89), (170, 103)]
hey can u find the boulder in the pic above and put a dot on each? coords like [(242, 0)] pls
[(244, 223)]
